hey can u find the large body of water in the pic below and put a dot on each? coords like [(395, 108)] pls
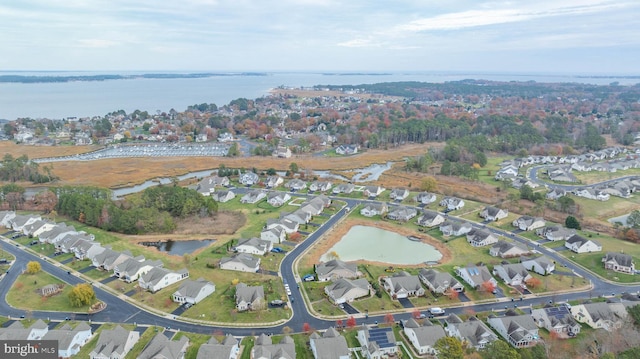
[(379, 245), (97, 98)]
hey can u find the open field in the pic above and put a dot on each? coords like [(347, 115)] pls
[(42, 151)]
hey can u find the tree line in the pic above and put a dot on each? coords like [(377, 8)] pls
[(21, 169)]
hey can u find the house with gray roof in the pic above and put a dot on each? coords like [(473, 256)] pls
[(504, 249), (541, 265), (518, 330), (329, 345), (132, 268), (455, 228), (346, 290), (273, 181), (374, 209), (87, 249), (253, 196), (208, 185), (249, 178), (452, 203), (490, 213), (296, 184), (20, 221), (287, 224), (161, 347), (241, 262), (372, 191), (37, 227), (423, 337), (556, 193), (227, 349), (402, 213), (70, 340), (335, 269), (274, 235), (399, 194), (278, 199), (430, 219), (254, 245), (157, 278), (56, 233), (475, 276), (439, 282), (425, 198), (6, 217), (556, 319), (555, 233), (193, 291), (108, 259), (114, 343), (601, 315), (377, 342), (403, 285), (619, 262), (320, 186), (481, 238), (345, 188), (17, 331), (223, 196), (528, 223), (249, 297), (514, 274), (473, 332), (579, 244), (265, 348)]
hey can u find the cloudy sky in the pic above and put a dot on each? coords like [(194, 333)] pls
[(548, 36)]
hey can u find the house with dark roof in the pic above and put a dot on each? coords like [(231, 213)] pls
[(556, 319), (473, 332), (249, 297), (329, 345), (518, 330), (555, 233), (377, 342), (579, 244), (439, 282), (423, 337), (619, 262), (161, 347), (193, 291)]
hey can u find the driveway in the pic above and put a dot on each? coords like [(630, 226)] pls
[(463, 297), (108, 280), (86, 269), (560, 249), (405, 302), (349, 309)]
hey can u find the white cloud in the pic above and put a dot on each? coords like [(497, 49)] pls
[(97, 43)]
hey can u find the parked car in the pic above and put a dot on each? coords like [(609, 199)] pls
[(436, 311), (277, 250), (309, 278)]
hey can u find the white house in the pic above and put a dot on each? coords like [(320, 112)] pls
[(157, 278), (329, 345), (541, 265), (491, 213), (473, 332), (70, 341), (254, 245), (423, 337), (114, 343), (274, 235), (580, 244), (514, 274), (520, 330), (403, 285), (475, 276), (528, 223), (242, 262), (345, 290), (193, 291)]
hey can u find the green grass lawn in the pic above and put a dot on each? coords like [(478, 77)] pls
[(24, 294)]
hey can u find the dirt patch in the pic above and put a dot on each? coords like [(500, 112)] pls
[(335, 234)]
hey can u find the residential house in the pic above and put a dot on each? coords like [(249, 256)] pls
[(514, 274), (425, 198), (223, 196), (372, 191), (225, 137), (476, 276), (161, 347), (481, 238), (20, 221), (347, 149), (504, 249), (452, 203), (402, 214), (618, 262), (273, 181), (249, 179), (296, 185), (591, 193), (6, 217), (320, 186), (70, 340), (520, 182), (17, 331), (56, 233), (555, 233), (377, 342), (108, 259), (286, 224), (329, 345), (193, 291), (274, 235), (558, 320), (84, 249), (208, 185), (277, 199), (529, 223), (336, 269), (423, 337), (430, 219), (374, 209), (282, 152), (114, 343), (264, 348), (455, 228), (132, 268), (228, 349), (241, 262), (580, 244), (473, 332), (345, 188), (345, 290), (518, 330), (36, 228), (403, 285), (600, 315), (556, 193), (254, 245), (493, 214), (399, 194), (157, 278), (298, 216), (439, 282), (508, 172), (249, 297), (541, 265), (253, 196)]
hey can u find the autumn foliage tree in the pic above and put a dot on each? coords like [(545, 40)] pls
[(388, 318), (351, 322), (533, 282), (488, 286), (306, 327), (82, 294), (452, 294), (33, 267)]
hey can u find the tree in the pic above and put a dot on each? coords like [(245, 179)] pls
[(449, 348), (429, 184), (572, 222), (533, 282), (81, 295), (306, 327), (33, 267), (388, 318), (488, 286), (499, 349), (452, 294), (234, 151), (633, 220), (293, 167), (351, 322)]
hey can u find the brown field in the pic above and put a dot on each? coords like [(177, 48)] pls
[(42, 151)]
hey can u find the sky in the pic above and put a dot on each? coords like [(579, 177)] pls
[(529, 36)]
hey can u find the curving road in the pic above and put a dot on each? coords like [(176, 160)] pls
[(120, 310)]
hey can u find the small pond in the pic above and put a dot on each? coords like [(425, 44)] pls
[(621, 219), (379, 245), (179, 248)]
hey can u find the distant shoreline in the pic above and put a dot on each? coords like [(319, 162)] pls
[(53, 78)]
